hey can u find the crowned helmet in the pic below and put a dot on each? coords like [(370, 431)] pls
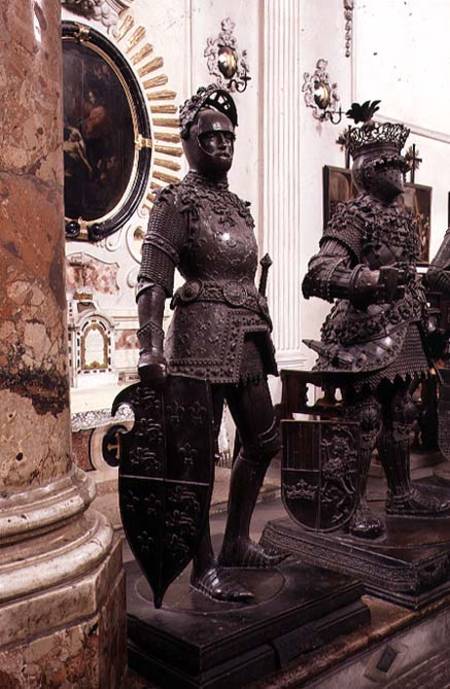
[(374, 146), (209, 111), (213, 97)]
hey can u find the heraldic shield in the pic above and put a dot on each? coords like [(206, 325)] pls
[(165, 475), (444, 412), (320, 472)]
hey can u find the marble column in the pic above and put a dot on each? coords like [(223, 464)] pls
[(61, 578), (281, 173)]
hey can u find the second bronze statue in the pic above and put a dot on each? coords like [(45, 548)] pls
[(220, 331), (377, 329)]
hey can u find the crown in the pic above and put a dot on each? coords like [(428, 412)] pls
[(373, 135), (212, 96)]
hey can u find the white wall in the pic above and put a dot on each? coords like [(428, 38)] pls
[(401, 55), (322, 36)]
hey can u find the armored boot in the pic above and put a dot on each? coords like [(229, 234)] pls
[(403, 497), (365, 524), (212, 580), (238, 550)]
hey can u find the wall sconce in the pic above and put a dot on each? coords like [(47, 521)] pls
[(321, 94), (225, 61)]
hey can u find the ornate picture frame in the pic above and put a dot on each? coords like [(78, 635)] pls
[(418, 197), (338, 187), (107, 135)]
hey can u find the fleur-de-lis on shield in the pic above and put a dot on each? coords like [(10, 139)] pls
[(197, 412), (175, 412), (145, 542), (188, 454)]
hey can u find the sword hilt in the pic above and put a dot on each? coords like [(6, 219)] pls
[(265, 264)]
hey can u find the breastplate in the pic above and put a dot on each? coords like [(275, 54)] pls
[(390, 236), (221, 243)]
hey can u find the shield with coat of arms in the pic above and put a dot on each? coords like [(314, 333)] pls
[(320, 472), (165, 475)]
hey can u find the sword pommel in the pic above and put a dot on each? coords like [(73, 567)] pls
[(265, 264)]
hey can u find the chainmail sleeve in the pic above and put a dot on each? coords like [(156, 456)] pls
[(332, 272), (346, 227), (163, 243)]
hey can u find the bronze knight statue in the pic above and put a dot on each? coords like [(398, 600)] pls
[(377, 327), (220, 331)]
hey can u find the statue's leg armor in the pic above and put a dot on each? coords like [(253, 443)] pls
[(403, 497), (367, 410), (252, 411), (206, 576)]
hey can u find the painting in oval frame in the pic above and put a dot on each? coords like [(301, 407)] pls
[(107, 135)]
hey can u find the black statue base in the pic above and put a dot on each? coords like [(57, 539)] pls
[(408, 565), (193, 642)]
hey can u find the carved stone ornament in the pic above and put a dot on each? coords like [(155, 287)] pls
[(348, 14), (104, 11), (226, 62), (320, 93)]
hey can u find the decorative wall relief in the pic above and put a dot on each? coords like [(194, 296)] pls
[(348, 14), (91, 339), (95, 346), (88, 274), (127, 340), (132, 276), (226, 63), (104, 11), (134, 239), (321, 94), (121, 146)]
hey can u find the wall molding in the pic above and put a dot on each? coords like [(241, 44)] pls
[(281, 171)]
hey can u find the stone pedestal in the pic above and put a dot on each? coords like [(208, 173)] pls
[(196, 643), (409, 564), (61, 579)]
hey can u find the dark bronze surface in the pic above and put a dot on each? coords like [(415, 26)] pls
[(377, 328), (165, 475), (193, 642), (216, 252), (320, 472), (220, 330), (409, 564)]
